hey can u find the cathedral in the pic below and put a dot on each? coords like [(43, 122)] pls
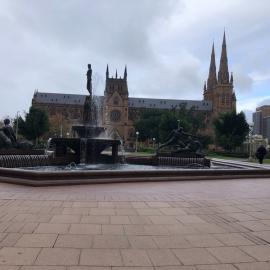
[(119, 111)]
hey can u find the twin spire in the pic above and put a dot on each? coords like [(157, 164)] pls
[(116, 74), (223, 73)]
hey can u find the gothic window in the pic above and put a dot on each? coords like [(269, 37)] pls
[(131, 133), (116, 101), (227, 99), (115, 116), (223, 99)]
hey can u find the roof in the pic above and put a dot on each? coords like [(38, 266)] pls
[(133, 102), (202, 105), (56, 98)]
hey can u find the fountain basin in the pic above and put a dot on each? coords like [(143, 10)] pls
[(85, 150), (32, 177)]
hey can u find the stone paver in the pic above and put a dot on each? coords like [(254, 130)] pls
[(162, 257), (175, 241), (42, 267), (217, 267), (18, 256), (5, 267), (95, 219), (52, 228), (193, 256), (202, 225), (85, 229), (66, 219), (259, 252), (253, 266), (142, 242), (206, 240), (230, 255), (110, 241), (135, 257), (101, 257), (112, 229), (36, 240), (74, 241), (233, 239), (58, 256)]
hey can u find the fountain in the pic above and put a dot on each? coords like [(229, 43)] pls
[(182, 149), (89, 139), (79, 160)]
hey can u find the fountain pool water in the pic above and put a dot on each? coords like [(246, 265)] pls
[(121, 167)]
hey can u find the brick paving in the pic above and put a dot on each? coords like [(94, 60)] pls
[(195, 225)]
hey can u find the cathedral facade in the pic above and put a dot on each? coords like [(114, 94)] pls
[(119, 111)]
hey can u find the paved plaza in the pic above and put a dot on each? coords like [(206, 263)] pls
[(196, 225)]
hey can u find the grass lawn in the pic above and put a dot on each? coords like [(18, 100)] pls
[(265, 161)]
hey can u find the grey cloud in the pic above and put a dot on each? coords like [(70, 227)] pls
[(115, 27), (242, 81), (165, 44), (264, 102)]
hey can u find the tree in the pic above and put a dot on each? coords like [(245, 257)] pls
[(58, 126), (148, 125), (36, 123), (231, 130), (159, 123)]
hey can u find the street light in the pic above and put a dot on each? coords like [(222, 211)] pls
[(250, 141), (178, 124), (154, 140), (137, 135), (17, 126)]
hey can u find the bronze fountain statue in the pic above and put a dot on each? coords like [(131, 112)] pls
[(89, 138), (8, 138), (180, 143)]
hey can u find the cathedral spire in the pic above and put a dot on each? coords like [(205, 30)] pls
[(125, 73), (107, 72), (223, 74), (231, 80), (204, 88), (116, 74), (212, 77)]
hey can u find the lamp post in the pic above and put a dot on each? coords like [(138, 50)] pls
[(136, 146), (61, 126), (250, 141), (154, 142), (17, 125)]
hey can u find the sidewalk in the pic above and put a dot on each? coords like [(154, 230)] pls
[(243, 162), (198, 225)]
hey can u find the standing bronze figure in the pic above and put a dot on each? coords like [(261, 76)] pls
[(89, 112), (89, 80)]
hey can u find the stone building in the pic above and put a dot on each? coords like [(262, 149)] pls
[(119, 111), (219, 88)]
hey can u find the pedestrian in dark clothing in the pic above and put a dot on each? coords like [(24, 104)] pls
[(260, 153)]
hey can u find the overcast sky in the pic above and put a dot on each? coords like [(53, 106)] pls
[(166, 45)]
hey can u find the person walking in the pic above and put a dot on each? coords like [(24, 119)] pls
[(260, 153)]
